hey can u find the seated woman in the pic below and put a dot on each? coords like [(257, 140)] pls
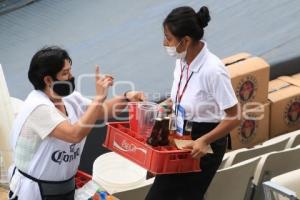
[(50, 131)]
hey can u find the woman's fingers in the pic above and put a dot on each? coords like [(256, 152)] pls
[(107, 82), (197, 153), (142, 96), (102, 80), (97, 73), (102, 83), (136, 96)]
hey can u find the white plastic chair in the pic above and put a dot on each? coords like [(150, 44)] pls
[(16, 105), (227, 156), (274, 191), (290, 135), (285, 186), (273, 164), (294, 139), (233, 182), (244, 154), (6, 121)]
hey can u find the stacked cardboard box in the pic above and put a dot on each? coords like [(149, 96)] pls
[(284, 94), (250, 77)]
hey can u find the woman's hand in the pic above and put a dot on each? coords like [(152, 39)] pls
[(167, 105), (102, 85), (199, 148), (134, 96)]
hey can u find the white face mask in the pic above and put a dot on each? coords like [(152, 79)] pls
[(172, 52)]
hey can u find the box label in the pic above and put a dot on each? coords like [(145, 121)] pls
[(292, 111), (246, 89), (247, 131)]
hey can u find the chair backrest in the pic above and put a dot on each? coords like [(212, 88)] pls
[(273, 191), (227, 156), (290, 180), (295, 140), (16, 105), (222, 165), (256, 151), (232, 183), (136, 193), (274, 164)]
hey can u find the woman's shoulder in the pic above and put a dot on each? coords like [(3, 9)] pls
[(214, 61), (214, 68), (214, 64), (44, 111)]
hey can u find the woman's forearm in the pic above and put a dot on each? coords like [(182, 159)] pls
[(89, 118), (113, 107), (74, 133)]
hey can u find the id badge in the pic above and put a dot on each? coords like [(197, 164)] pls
[(180, 120)]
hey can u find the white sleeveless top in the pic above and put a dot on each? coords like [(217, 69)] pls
[(54, 159)]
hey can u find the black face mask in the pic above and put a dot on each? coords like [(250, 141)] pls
[(64, 88)]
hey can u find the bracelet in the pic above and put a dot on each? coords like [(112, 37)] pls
[(125, 95)]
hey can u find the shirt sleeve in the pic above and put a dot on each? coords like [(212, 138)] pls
[(80, 102), (44, 119), (222, 89), (84, 102)]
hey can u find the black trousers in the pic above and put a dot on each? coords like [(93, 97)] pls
[(191, 186)]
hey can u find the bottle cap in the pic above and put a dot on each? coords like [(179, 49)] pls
[(109, 197), (103, 195)]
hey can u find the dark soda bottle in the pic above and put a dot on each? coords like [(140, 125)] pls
[(164, 134), (154, 138)]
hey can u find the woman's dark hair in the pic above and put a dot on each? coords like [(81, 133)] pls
[(184, 21), (46, 62)]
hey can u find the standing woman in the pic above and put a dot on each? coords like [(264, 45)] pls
[(201, 93), (50, 131)]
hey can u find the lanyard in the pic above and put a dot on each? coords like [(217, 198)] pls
[(179, 97)]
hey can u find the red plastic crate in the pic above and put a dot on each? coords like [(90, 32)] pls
[(158, 160), (81, 178), (133, 121)]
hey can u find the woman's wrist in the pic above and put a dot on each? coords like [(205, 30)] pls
[(205, 139), (99, 99)]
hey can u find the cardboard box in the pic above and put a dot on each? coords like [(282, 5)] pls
[(250, 78), (254, 127), (235, 58), (284, 94)]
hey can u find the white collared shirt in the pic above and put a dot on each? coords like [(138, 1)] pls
[(209, 91)]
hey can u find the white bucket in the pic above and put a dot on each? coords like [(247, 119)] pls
[(115, 173)]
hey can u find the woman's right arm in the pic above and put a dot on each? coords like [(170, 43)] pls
[(74, 133)]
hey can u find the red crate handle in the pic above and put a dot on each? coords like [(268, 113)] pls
[(81, 178)]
